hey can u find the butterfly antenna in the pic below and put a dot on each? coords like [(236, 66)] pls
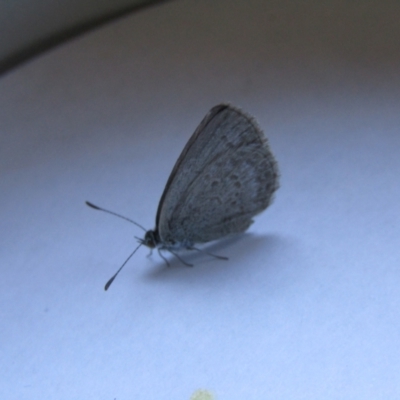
[(88, 203), (111, 280)]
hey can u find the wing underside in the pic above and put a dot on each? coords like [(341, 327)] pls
[(225, 175)]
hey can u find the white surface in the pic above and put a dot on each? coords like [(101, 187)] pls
[(307, 307)]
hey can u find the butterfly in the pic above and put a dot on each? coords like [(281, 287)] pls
[(225, 175)]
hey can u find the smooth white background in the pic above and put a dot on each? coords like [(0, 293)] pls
[(307, 307)]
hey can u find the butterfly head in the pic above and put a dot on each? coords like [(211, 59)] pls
[(151, 239)]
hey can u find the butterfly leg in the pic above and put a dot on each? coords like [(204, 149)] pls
[(150, 253), (180, 259), (166, 261), (210, 254)]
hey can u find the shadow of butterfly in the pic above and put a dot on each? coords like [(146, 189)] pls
[(225, 175)]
